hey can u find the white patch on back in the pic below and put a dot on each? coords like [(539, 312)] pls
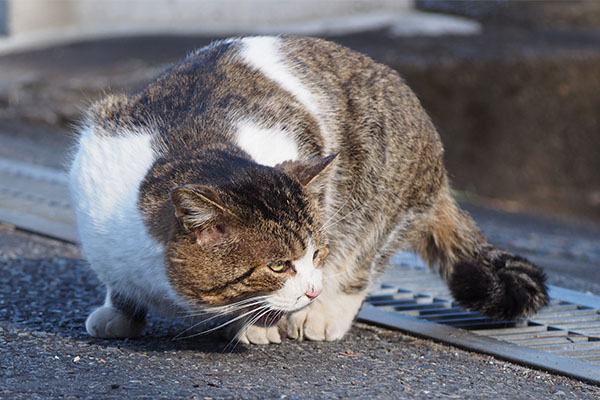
[(262, 53), (104, 180), (266, 146)]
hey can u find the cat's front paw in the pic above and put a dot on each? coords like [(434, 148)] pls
[(324, 320), (109, 323), (254, 334)]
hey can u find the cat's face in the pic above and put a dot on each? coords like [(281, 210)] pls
[(256, 242)]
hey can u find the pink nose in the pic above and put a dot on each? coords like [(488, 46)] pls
[(312, 293)]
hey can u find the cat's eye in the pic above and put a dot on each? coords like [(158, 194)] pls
[(278, 266), (315, 255)]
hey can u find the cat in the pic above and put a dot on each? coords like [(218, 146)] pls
[(271, 177)]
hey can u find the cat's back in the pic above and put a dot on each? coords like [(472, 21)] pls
[(276, 98)]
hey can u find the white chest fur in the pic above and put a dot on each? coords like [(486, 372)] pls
[(104, 180)]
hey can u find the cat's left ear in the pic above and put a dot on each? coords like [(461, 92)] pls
[(196, 205), (308, 172)]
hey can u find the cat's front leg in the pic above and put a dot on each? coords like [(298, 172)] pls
[(118, 318), (328, 318)]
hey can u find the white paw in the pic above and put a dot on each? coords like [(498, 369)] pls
[(254, 334), (324, 320), (108, 323)]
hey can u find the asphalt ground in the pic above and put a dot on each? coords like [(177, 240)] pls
[(47, 291)]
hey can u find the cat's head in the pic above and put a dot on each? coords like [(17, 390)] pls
[(255, 240)]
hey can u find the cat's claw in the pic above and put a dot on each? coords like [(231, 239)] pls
[(109, 323)]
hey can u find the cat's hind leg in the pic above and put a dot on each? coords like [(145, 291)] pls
[(118, 318)]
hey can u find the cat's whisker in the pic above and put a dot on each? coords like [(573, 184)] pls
[(247, 324), (179, 337), (229, 308), (336, 213), (235, 340), (223, 313), (343, 218)]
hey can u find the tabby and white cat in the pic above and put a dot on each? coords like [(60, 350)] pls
[(270, 176)]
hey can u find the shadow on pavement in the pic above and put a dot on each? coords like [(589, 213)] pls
[(55, 295)]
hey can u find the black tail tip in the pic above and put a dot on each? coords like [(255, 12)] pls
[(505, 287)]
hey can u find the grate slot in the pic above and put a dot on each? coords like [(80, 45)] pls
[(422, 305), (577, 351), (587, 357), (566, 339), (559, 308), (442, 318), (532, 335), (572, 319), (485, 324), (511, 331), (391, 297), (571, 346), (434, 311), (544, 315), (578, 326), (417, 300), (593, 331)]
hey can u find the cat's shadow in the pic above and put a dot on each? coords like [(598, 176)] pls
[(53, 296)]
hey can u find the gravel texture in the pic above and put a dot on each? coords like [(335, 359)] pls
[(48, 290)]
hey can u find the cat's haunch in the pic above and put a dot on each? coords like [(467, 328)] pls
[(265, 177)]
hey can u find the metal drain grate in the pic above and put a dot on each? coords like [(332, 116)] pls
[(563, 337)]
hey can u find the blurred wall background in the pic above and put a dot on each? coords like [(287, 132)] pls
[(214, 16)]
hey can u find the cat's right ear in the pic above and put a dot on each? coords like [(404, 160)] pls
[(308, 172), (195, 205)]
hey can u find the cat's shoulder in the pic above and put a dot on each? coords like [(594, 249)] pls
[(108, 116)]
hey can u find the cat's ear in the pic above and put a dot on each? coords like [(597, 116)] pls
[(195, 205), (308, 172)]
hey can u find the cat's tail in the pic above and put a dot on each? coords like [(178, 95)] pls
[(480, 276)]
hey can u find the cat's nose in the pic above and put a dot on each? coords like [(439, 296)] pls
[(312, 293)]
